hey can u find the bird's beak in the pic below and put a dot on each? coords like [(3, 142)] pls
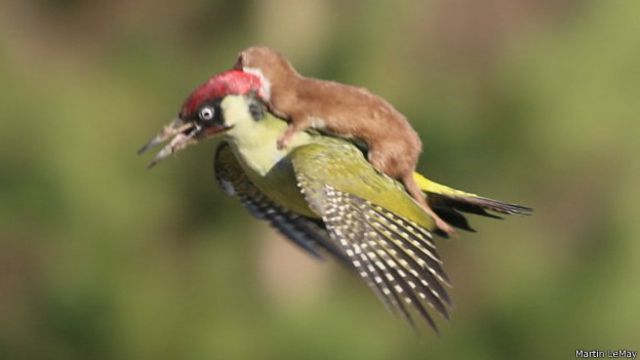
[(182, 134)]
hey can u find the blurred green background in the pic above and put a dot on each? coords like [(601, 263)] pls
[(534, 102)]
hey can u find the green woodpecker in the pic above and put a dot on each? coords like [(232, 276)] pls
[(323, 194)]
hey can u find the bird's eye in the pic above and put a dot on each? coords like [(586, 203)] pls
[(206, 113)]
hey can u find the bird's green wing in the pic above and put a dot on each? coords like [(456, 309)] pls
[(385, 234), (309, 234)]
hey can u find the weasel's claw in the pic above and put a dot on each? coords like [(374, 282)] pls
[(282, 143)]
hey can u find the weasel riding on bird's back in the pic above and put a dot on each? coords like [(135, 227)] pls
[(343, 110), (317, 187)]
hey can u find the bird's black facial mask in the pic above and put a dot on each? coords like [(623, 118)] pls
[(209, 119)]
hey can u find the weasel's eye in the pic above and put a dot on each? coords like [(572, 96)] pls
[(206, 113), (256, 110)]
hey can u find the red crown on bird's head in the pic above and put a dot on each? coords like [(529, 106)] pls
[(230, 82)]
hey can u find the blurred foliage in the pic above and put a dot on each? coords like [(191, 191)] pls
[(528, 101)]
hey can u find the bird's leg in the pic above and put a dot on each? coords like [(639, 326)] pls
[(415, 192)]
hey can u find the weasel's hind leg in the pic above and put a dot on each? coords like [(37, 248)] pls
[(404, 173), (415, 192)]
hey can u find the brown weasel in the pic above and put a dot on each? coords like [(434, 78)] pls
[(347, 111)]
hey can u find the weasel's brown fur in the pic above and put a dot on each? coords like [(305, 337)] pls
[(347, 111)]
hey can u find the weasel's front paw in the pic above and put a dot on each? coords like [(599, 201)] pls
[(283, 142)]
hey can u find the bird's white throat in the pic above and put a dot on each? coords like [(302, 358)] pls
[(256, 143)]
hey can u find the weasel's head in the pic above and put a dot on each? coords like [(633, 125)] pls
[(267, 64)]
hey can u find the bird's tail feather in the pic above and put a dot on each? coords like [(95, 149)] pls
[(448, 203)]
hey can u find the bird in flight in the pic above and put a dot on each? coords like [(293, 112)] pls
[(322, 193)]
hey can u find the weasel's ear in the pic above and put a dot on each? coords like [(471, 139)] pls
[(239, 65)]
